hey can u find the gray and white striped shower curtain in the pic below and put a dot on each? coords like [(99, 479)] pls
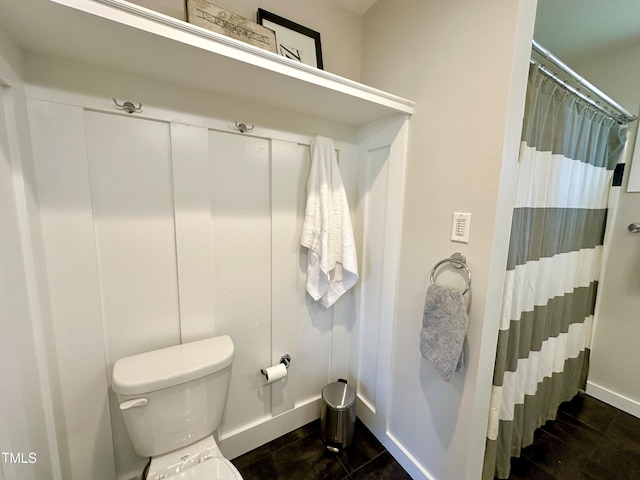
[(567, 156)]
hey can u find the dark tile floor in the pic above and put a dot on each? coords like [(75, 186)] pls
[(301, 454), (589, 440)]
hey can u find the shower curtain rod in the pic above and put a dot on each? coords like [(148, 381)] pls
[(619, 113)]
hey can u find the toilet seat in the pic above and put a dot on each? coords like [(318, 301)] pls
[(212, 469), (201, 460)]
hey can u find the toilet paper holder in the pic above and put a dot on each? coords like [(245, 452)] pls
[(284, 359)]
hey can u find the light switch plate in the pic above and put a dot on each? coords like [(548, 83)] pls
[(460, 227)]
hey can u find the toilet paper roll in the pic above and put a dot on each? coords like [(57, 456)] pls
[(275, 373)]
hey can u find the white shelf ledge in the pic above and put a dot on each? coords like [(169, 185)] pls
[(127, 37)]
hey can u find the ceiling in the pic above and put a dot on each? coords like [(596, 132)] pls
[(573, 29), (358, 6)]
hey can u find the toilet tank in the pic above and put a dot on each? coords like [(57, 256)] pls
[(173, 397)]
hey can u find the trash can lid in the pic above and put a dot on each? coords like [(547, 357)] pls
[(338, 395)]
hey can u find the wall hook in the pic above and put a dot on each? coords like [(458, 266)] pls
[(128, 106), (242, 127)]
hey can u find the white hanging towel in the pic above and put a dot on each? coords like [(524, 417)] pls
[(332, 262)]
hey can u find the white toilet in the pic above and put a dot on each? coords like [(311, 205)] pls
[(172, 401)]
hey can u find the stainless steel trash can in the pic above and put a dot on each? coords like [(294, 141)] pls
[(337, 415)]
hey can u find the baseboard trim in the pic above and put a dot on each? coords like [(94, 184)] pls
[(617, 400), (366, 413), (256, 434), (404, 458)]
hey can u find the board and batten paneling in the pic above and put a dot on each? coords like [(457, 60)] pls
[(131, 194), (158, 232), (382, 150), (375, 177), (26, 414), (129, 162), (81, 389), (194, 235), (241, 222)]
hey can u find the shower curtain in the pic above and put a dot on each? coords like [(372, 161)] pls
[(567, 156)]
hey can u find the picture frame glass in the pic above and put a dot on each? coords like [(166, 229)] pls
[(293, 41), (293, 45)]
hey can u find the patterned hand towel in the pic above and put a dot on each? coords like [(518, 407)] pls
[(444, 326)]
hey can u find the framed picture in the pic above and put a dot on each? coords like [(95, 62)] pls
[(205, 14), (293, 41)]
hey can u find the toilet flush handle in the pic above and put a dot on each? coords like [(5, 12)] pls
[(136, 402)]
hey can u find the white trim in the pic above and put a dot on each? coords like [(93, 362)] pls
[(193, 230), (374, 377), (37, 299), (152, 112), (626, 404), (355, 88), (262, 431), (404, 458), (366, 404), (260, 70), (500, 242), (367, 414)]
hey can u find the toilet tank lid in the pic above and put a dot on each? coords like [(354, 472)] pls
[(158, 369)]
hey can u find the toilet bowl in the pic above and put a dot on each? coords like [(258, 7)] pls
[(172, 400), (202, 460)]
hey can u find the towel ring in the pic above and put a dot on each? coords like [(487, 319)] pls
[(456, 260)]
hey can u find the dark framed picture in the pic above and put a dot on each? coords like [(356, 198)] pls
[(293, 41)]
